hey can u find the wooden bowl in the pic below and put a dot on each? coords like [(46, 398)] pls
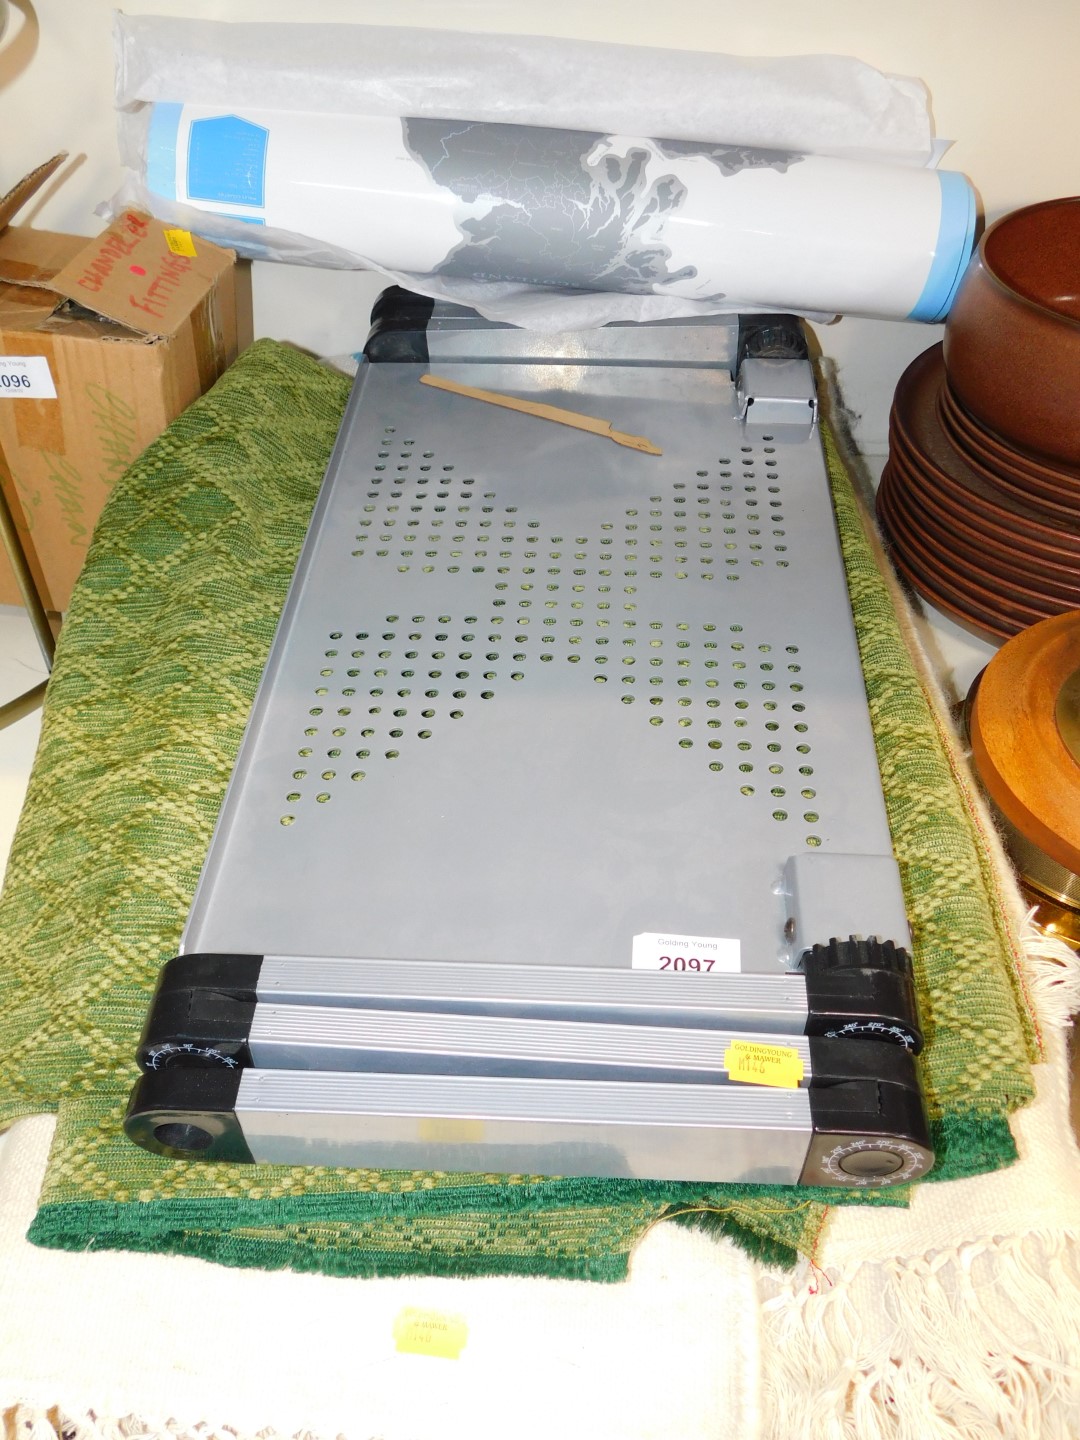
[(1012, 340), (1025, 735)]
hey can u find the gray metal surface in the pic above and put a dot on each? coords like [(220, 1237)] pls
[(317, 1037), (832, 897), (662, 1132), (712, 342), (776, 392), (743, 1002), (534, 694)]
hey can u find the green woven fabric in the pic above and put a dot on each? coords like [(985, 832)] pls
[(157, 664)]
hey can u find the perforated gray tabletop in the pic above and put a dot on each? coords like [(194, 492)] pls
[(534, 694)]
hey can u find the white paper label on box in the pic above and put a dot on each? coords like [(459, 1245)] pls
[(26, 377), (685, 954)]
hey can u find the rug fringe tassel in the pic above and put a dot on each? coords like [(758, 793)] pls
[(975, 1343), (1053, 973), (29, 1422)]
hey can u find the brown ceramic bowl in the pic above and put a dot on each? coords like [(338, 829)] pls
[(1012, 340)]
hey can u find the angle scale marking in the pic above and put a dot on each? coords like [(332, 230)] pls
[(161, 1056), (914, 1163), (873, 1027)]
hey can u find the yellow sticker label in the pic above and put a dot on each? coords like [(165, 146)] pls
[(430, 1332), (181, 243), (442, 1129), (755, 1064)]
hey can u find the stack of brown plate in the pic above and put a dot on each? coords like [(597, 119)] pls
[(982, 525), (986, 541)]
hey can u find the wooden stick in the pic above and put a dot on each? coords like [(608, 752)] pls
[(546, 412)]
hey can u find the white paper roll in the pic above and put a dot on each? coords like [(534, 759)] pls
[(573, 209)]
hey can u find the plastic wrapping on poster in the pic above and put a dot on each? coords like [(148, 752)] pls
[(819, 104), (288, 143), (719, 225)]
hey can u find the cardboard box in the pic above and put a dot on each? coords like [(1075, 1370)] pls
[(102, 343)]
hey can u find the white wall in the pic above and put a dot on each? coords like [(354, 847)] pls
[(1004, 79)]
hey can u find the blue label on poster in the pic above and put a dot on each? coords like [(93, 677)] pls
[(161, 150), (227, 160)]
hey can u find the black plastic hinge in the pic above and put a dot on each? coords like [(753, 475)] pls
[(398, 334), (862, 988), (188, 1115)]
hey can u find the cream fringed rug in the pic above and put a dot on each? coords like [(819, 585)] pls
[(959, 1318), (95, 1346), (956, 1318)]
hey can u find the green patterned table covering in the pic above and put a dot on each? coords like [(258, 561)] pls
[(155, 672)]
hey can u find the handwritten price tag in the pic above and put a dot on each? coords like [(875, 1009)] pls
[(685, 954), (752, 1064), (430, 1332)]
